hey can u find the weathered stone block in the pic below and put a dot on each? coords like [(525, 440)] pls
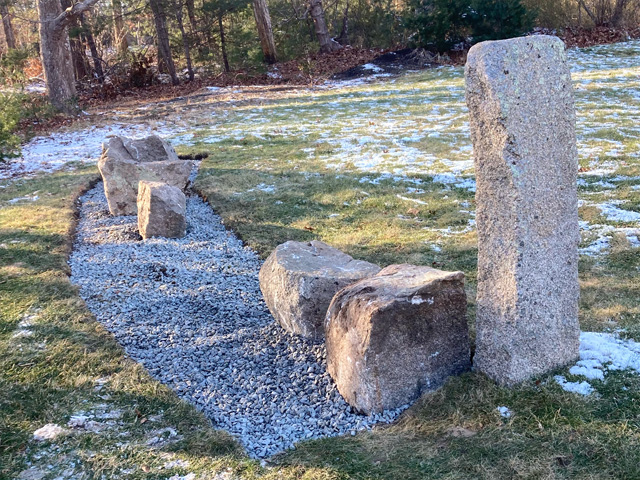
[(161, 210), (298, 281), (392, 337), (522, 120), (125, 162)]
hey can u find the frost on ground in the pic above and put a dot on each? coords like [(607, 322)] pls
[(599, 353), (49, 432), (393, 129), (505, 412)]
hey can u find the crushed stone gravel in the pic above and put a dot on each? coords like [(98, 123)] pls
[(191, 311)]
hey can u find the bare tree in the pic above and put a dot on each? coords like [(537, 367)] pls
[(6, 24), (118, 27), (163, 38), (223, 44), (78, 56), (604, 13), (185, 41), (95, 56), (265, 32), (327, 44), (617, 17), (191, 13), (55, 51)]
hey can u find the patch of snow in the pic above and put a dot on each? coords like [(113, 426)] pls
[(417, 300), (582, 388), (450, 179), (599, 353), (372, 67), (175, 464), (20, 199), (188, 476), (414, 200), (55, 151), (505, 412), (616, 214), (77, 421), (266, 188), (49, 432)]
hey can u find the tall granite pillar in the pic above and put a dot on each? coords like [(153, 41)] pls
[(522, 119)]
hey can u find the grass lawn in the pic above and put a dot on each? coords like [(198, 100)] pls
[(384, 172)]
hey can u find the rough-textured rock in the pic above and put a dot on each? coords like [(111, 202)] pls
[(392, 337), (522, 119), (161, 210), (298, 281), (125, 162)]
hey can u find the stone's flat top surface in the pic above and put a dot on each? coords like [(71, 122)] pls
[(318, 257), (151, 184), (415, 276), (191, 311), (396, 282), (148, 149)]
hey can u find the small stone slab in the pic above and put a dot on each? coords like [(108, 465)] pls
[(161, 210), (125, 162), (298, 281), (522, 120), (392, 337)]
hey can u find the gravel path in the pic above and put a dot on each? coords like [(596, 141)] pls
[(191, 311)]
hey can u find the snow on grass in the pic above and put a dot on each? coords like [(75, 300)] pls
[(600, 353), (52, 152), (582, 388), (49, 432), (406, 128), (616, 214), (505, 412)]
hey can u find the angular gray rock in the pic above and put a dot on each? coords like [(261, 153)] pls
[(161, 210), (125, 162), (298, 281), (522, 120), (392, 337)]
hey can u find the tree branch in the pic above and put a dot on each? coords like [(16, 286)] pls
[(589, 12), (72, 12)]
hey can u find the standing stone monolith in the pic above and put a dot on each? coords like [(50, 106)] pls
[(522, 119)]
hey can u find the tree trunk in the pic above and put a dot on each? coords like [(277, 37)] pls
[(191, 13), (6, 23), (78, 57), (591, 15), (617, 18), (265, 32), (55, 53), (163, 38), (119, 31), (343, 39), (185, 40), (97, 61), (223, 45), (327, 44)]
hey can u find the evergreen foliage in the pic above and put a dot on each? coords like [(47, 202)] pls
[(10, 114), (442, 24)]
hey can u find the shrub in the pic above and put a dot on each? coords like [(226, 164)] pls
[(441, 24), (13, 65), (10, 114)]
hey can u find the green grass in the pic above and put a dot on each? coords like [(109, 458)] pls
[(305, 165)]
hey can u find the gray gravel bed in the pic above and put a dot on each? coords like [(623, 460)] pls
[(191, 311)]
